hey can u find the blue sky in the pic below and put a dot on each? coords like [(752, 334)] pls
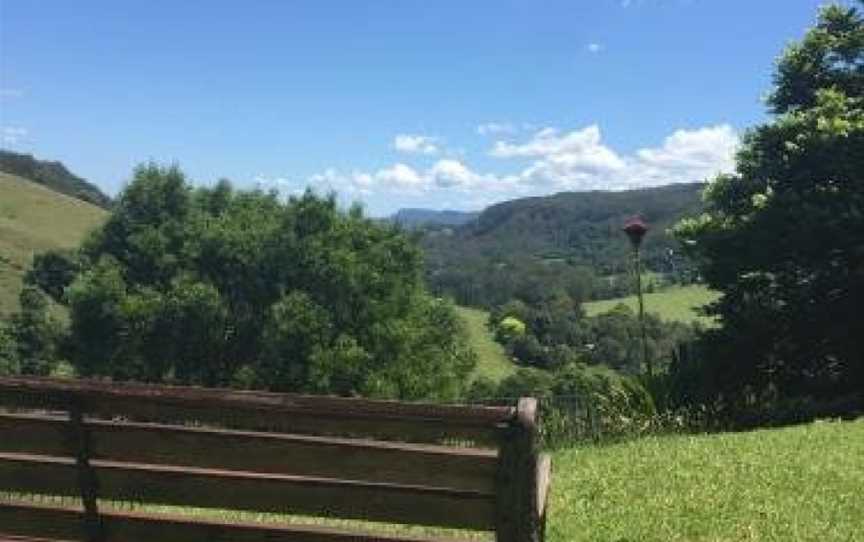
[(439, 104)]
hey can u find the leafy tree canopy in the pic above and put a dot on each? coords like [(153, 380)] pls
[(782, 236), (215, 286)]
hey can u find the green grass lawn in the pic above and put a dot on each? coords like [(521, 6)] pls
[(492, 359), (32, 219), (676, 304), (793, 484)]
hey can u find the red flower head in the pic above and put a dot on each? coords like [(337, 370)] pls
[(635, 228)]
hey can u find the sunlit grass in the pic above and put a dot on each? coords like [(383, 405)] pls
[(678, 304), (32, 219), (794, 484), (492, 360)]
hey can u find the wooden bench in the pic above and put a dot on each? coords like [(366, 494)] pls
[(103, 444)]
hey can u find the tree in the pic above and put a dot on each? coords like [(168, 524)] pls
[(8, 354), (781, 237), (218, 287), (32, 334)]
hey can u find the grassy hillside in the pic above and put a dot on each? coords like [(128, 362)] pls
[(493, 361), (677, 304), (802, 483), (32, 219), (53, 175)]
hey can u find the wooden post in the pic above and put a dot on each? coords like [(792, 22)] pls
[(87, 482), (517, 516)]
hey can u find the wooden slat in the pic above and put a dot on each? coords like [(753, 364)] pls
[(349, 459), (261, 410), (209, 488), (60, 522), (544, 481)]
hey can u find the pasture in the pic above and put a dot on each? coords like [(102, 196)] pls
[(33, 219), (492, 360), (679, 304)]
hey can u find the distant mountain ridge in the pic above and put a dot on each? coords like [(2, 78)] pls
[(583, 226), (415, 217), (563, 234), (53, 175)]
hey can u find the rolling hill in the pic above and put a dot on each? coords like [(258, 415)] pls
[(53, 175), (567, 242), (34, 218), (582, 227)]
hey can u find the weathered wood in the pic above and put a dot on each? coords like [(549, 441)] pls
[(265, 452), (87, 484), (544, 481), (348, 459), (22, 520), (517, 517), (208, 488), (290, 413)]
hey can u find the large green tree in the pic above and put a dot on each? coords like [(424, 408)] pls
[(218, 287), (783, 236)]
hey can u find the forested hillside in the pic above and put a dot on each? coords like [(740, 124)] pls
[(570, 241), (53, 175)]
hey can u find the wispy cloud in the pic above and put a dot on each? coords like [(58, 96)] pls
[(496, 128), (13, 135), (416, 144), (594, 48)]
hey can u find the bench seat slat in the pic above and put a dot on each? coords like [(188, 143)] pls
[(348, 459), (208, 488), (26, 519), (291, 413)]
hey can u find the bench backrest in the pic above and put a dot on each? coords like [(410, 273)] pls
[(467, 467)]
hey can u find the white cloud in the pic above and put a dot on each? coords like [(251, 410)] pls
[(415, 144), (400, 176), (493, 128), (576, 150), (12, 135), (594, 48), (710, 149), (579, 160), (548, 161)]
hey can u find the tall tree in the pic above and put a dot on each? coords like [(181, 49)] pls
[(782, 236), (217, 287)]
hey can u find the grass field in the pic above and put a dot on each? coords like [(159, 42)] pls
[(801, 483), (32, 219), (676, 304), (492, 359)]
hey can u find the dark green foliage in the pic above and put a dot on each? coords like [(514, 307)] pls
[(8, 354), (782, 237), (53, 271), (218, 287), (557, 333), (31, 336), (532, 249), (53, 175)]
